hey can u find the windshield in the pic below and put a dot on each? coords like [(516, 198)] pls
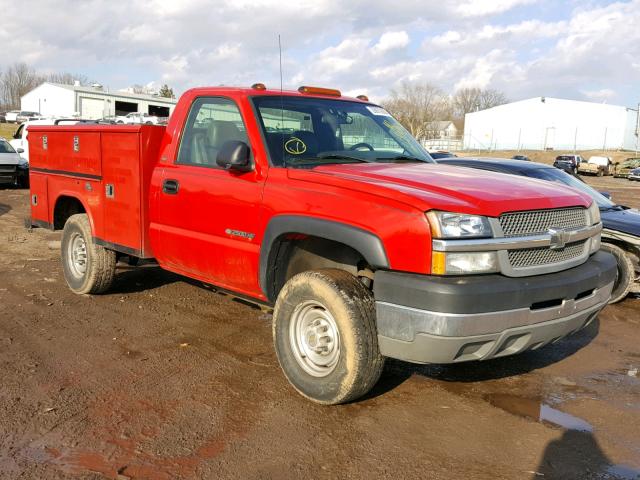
[(560, 176), (312, 131), (5, 147)]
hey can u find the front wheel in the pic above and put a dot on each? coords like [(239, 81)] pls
[(325, 336), (625, 274), (87, 267)]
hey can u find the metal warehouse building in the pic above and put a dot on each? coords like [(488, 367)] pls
[(54, 99), (544, 123)]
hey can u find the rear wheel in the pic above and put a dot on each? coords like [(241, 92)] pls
[(625, 275), (87, 267), (325, 336)]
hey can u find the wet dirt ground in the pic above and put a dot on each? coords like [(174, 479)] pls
[(163, 378)]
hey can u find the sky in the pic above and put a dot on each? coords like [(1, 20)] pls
[(581, 50)]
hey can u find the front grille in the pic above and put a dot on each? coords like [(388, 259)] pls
[(532, 257), (537, 222), (7, 169)]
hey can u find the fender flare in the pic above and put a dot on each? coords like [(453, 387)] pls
[(366, 243)]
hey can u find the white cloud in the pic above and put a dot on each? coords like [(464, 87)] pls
[(391, 41), (471, 8), (603, 95)]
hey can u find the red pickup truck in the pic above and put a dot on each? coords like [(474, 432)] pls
[(327, 209)]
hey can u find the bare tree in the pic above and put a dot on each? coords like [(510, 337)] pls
[(468, 100), (17, 80), (417, 105), (67, 78)]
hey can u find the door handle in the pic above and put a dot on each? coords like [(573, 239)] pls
[(170, 187)]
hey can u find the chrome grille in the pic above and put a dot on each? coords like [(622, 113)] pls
[(536, 222), (7, 168), (530, 257)]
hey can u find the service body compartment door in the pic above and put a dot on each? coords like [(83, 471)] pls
[(39, 200), (121, 168)]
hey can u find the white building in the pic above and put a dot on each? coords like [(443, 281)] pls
[(544, 123), (58, 100)]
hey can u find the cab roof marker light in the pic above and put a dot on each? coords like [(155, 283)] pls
[(259, 86), (364, 98), (331, 92)]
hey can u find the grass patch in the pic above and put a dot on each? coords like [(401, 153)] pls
[(7, 130)]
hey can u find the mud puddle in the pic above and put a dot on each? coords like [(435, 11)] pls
[(538, 411)]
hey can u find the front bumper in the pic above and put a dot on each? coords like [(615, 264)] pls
[(428, 319)]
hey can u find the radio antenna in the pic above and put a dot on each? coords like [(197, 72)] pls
[(284, 161)]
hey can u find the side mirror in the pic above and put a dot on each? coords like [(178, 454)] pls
[(606, 195), (20, 150), (235, 155)]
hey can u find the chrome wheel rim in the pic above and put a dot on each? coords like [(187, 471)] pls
[(314, 338), (77, 255)]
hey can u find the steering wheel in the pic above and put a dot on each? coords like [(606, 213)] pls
[(361, 145)]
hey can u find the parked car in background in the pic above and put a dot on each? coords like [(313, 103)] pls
[(138, 118), (634, 174), (621, 232), (24, 116), (596, 165), (568, 163), (521, 157), (441, 154), (12, 167), (12, 116), (622, 169)]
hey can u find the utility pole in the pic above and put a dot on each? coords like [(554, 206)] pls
[(575, 140)]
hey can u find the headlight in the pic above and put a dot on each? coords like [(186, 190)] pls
[(594, 213), (464, 263), (458, 225)]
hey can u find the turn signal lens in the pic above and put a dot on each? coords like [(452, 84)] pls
[(320, 91), (438, 263)]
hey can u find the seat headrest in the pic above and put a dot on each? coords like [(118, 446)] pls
[(221, 131)]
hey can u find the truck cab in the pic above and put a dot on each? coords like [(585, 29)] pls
[(326, 209)]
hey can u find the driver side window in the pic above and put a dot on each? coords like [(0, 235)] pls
[(212, 122)]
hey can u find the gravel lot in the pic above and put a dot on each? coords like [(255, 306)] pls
[(164, 378)]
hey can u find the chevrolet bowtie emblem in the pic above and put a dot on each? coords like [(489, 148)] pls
[(559, 238)]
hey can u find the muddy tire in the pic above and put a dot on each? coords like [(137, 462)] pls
[(626, 273), (325, 336), (88, 268)]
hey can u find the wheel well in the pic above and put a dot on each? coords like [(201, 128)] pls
[(295, 253), (632, 250), (65, 207)]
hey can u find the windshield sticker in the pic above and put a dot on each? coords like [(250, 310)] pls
[(378, 111), (295, 146)]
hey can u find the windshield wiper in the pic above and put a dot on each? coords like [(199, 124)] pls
[(335, 156)]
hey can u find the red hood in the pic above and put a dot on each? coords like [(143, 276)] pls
[(443, 187)]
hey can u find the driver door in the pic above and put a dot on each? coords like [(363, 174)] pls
[(207, 216)]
